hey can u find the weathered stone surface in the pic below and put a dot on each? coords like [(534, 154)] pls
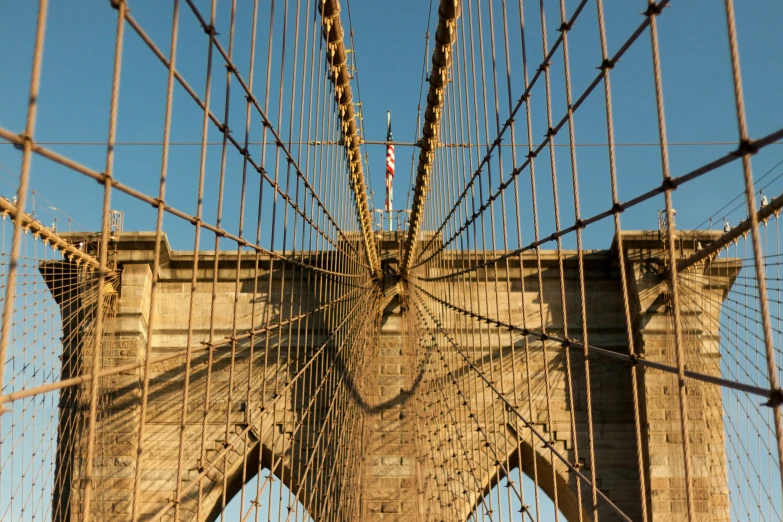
[(420, 439)]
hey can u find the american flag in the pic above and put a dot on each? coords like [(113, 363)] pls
[(389, 167)]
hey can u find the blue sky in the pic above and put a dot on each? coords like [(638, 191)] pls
[(389, 41)]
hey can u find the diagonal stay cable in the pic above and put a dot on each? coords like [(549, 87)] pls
[(228, 340), (101, 178), (212, 33), (551, 132), (510, 407), (771, 394), (738, 196), (48, 236), (510, 120), (757, 144), (229, 445), (764, 213), (223, 129), (618, 208), (452, 375)]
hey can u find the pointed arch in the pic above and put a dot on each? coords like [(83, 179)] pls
[(242, 490), (521, 463)]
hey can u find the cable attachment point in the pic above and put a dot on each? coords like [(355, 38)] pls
[(746, 147), (635, 359), (668, 184), (775, 398), (565, 27), (24, 140), (653, 9)]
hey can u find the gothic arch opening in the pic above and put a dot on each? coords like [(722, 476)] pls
[(506, 499), (253, 488), (531, 485), (267, 495)]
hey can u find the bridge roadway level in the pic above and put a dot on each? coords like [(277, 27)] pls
[(393, 386)]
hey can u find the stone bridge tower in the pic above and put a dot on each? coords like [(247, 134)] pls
[(398, 387)]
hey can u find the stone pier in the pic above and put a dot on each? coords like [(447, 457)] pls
[(393, 386)]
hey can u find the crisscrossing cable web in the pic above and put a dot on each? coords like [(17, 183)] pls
[(635, 383), (144, 383), (582, 320)]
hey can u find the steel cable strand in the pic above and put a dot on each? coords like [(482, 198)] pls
[(312, 400), (425, 362), (25, 142), (620, 207), (225, 131), (565, 28), (740, 444), (653, 10), (195, 269), (498, 463), (106, 372), (527, 423), (17, 139), (496, 143), (237, 438), (156, 261), (634, 360), (222, 127)]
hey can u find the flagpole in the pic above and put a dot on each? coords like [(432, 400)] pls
[(388, 184)]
